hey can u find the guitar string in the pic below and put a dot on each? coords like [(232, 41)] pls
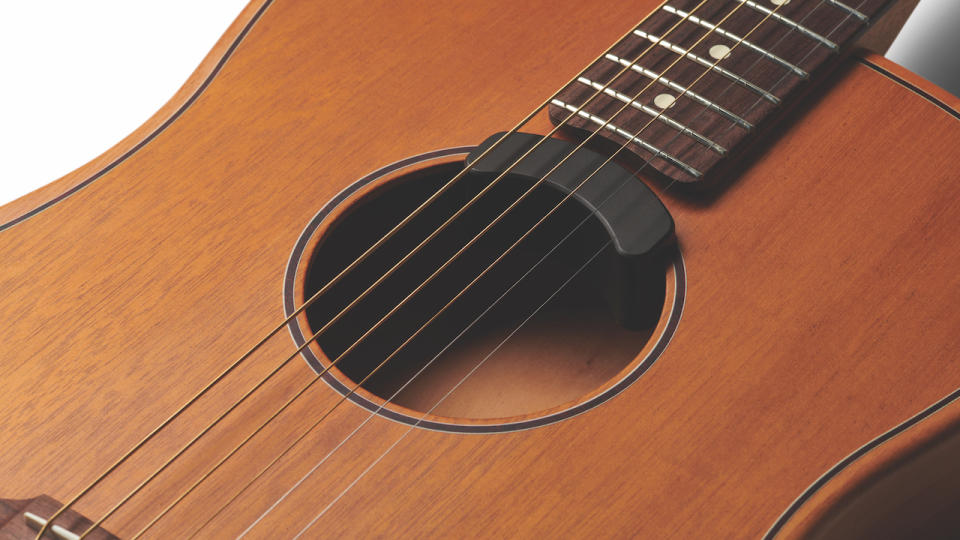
[(444, 397), (401, 346), (415, 375), (784, 77), (421, 370), (396, 442), (409, 381), (392, 311), (371, 249), (463, 379), (336, 278), (753, 64)]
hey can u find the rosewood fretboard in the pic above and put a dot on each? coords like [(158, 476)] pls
[(764, 51)]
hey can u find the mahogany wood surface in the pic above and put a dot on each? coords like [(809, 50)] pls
[(820, 309)]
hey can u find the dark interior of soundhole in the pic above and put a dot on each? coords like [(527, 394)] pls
[(539, 348)]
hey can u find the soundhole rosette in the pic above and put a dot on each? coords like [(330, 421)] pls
[(571, 356)]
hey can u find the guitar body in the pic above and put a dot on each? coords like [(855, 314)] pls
[(820, 304)]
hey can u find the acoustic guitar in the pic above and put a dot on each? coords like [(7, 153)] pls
[(473, 271)]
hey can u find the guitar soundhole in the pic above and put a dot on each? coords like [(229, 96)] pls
[(536, 353)]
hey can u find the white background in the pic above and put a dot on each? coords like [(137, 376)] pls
[(78, 76)]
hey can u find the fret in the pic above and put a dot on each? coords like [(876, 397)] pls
[(681, 89), (792, 24), (705, 114), (863, 18), (720, 31), (606, 124), (708, 64), (659, 115)]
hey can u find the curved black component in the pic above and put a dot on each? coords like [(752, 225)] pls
[(636, 220)]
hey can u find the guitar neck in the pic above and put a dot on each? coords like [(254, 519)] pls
[(689, 85)]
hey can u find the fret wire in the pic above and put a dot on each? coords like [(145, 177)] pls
[(677, 87), (851, 13), (658, 115), (706, 24), (856, 13), (657, 153), (799, 27), (758, 101), (792, 24), (704, 62)]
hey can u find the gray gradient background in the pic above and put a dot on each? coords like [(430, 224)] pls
[(929, 44)]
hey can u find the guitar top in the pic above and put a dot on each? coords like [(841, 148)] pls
[(679, 269)]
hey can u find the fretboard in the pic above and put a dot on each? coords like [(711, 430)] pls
[(703, 75)]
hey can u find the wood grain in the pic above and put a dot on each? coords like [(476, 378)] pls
[(821, 308), (901, 482)]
